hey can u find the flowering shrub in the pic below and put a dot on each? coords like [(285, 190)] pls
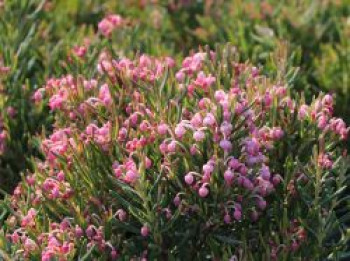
[(37, 36), (24, 64), (208, 159), (317, 34)]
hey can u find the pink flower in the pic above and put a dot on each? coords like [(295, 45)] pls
[(276, 133), (90, 231), (228, 176), (5, 69), (209, 120), (163, 147), (234, 163), (109, 23), (148, 163), (208, 168), (203, 191), (227, 219), (237, 214), (57, 101), (193, 150), (220, 95), (303, 112), (88, 85), (276, 180), (169, 62), (248, 184), (55, 192), (268, 99), (324, 161), (105, 95), (177, 200), (261, 203), (226, 129), (198, 135), (30, 180), (239, 108), (78, 231), (114, 254), (327, 100), (79, 51), (204, 81), (144, 126), (29, 219), (15, 237), (180, 76), (338, 126), (180, 131), (60, 176), (189, 179), (227, 115), (255, 71), (131, 176), (252, 146), (190, 89), (162, 128), (193, 63), (121, 215), (322, 122), (122, 134), (29, 245), (203, 103), (38, 95), (172, 146), (265, 172), (197, 120), (144, 231), (226, 145)]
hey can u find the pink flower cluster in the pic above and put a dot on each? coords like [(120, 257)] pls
[(191, 65), (247, 172), (202, 136), (100, 136), (322, 111), (127, 172), (59, 242), (144, 68), (57, 144), (109, 24)]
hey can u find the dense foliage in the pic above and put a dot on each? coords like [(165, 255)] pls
[(197, 162), (133, 141)]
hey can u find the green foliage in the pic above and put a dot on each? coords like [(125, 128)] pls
[(304, 44), (80, 181)]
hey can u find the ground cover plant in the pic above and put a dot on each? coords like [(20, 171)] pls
[(41, 39), (138, 137), (41, 34), (25, 63), (208, 159)]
